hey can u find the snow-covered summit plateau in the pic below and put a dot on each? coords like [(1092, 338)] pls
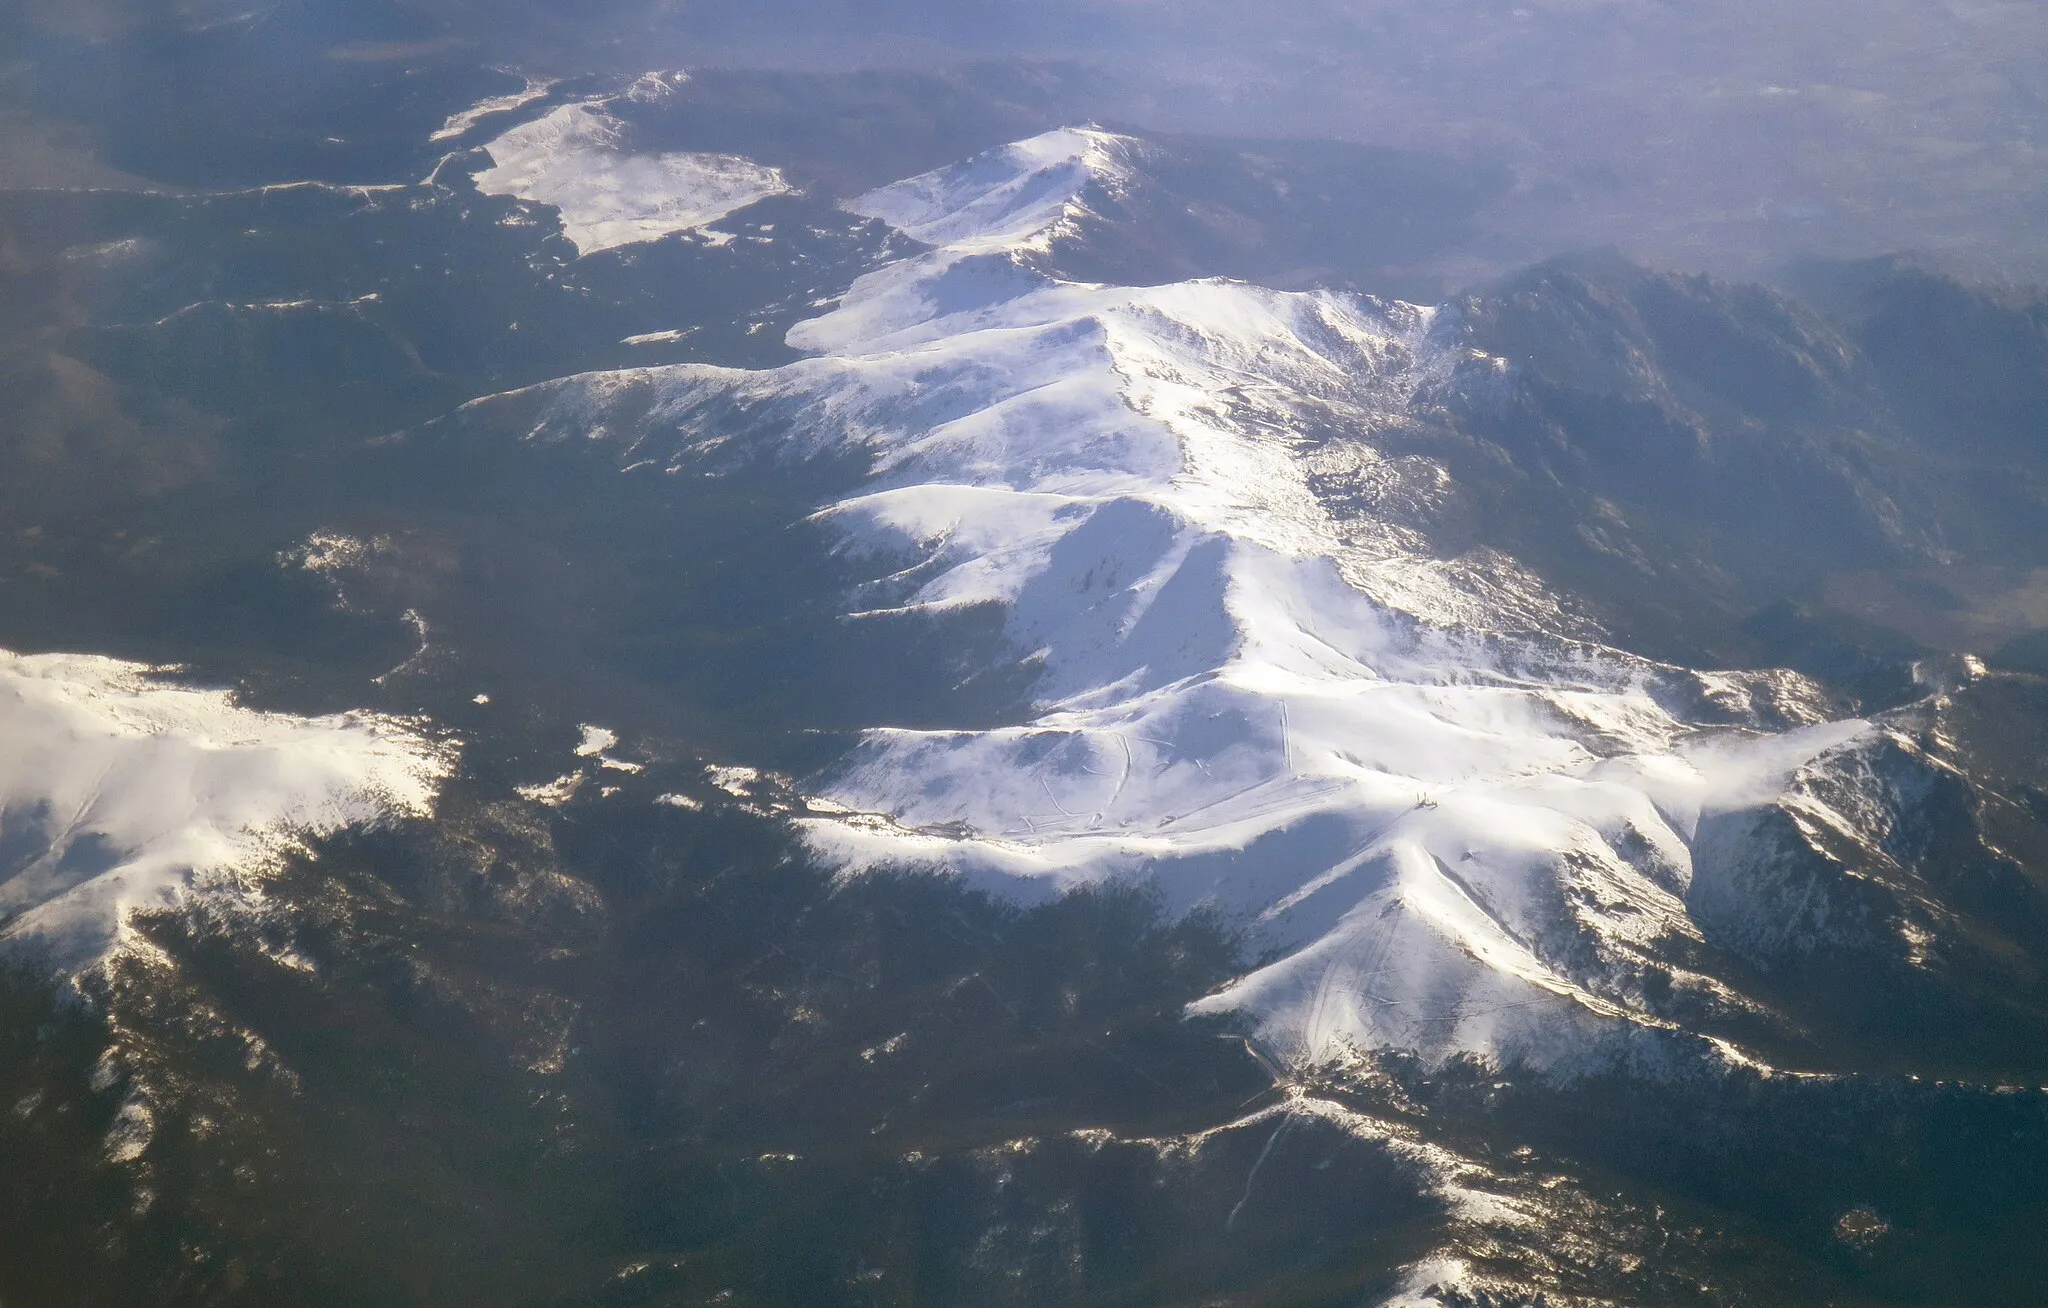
[(577, 158), (1452, 823)]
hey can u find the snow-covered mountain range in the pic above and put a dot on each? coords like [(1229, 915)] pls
[(1451, 813), (1453, 819)]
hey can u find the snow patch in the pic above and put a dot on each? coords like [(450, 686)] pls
[(1427, 1284), (735, 781), (669, 337), (552, 794)]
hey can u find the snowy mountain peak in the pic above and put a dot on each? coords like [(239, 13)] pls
[(1012, 198)]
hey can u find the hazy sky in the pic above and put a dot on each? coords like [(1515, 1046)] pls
[(1720, 134), (1711, 133)]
